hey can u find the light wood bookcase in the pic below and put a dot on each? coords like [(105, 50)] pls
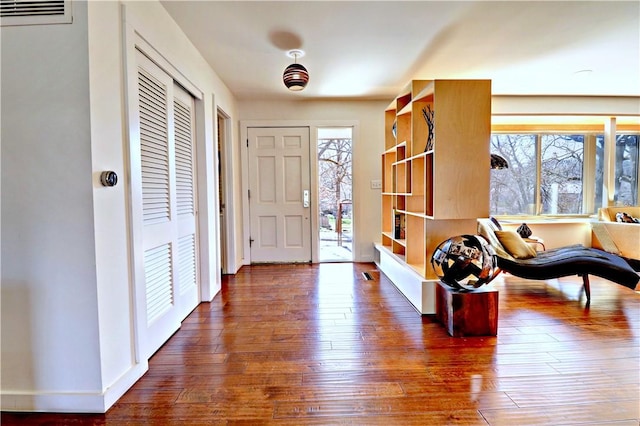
[(434, 193)]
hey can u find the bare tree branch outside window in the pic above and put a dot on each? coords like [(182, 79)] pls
[(334, 164)]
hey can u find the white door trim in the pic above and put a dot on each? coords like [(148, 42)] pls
[(313, 126), (229, 266)]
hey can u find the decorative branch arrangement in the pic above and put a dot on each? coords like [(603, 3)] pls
[(427, 113)]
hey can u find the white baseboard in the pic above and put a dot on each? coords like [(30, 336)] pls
[(114, 392), (72, 402)]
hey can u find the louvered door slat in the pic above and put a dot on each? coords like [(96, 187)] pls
[(158, 281), (154, 149), (187, 262), (184, 158), (153, 89), (155, 166)]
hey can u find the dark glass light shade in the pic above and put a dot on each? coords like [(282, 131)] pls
[(295, 77), (498, 162)]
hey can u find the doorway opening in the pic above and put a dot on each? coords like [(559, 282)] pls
[(222, 120), (334, 194)]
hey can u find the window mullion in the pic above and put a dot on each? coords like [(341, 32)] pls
[(608, 182), (538, 192), (589, 174)]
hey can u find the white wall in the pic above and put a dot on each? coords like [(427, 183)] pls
[(367, 149), (49, 298), (68, 341)]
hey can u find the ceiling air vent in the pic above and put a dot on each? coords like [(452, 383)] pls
[(35, 12)]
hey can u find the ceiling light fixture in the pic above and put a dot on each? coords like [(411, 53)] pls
[(295, 76), (498, 162)]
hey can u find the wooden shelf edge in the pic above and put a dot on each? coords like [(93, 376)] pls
[(402, 242), (393, 149), (420, 155), (406, 110), (426, 92), (420, 269), (390, 252), (416, 214), (404, 160)]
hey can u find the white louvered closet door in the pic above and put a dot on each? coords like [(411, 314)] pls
[(184, 131), (163, 205)]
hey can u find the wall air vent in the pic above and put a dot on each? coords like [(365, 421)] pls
[(35, 12)]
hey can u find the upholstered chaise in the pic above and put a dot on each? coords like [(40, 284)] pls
[(561, 262), (621, 238)]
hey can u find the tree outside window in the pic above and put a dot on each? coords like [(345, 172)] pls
[(512, 190), (334, 157), (626, 170), (561, 176)]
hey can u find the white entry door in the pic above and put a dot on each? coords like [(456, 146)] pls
[(279, 194), (163, 205)]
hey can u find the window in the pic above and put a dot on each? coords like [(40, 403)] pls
[(548, 174), (561, 173), (626, 170), (512, 190)]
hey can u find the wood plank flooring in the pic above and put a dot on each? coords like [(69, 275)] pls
[(320, 344)]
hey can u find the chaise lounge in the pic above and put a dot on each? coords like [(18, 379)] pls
[(517, 258), (621, 237)]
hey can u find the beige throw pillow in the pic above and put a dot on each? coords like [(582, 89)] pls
[(515, 245)]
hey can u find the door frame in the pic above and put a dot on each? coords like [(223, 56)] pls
[(225, 148), (313, 126)]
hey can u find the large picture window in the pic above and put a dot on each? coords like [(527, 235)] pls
[(548, 174)]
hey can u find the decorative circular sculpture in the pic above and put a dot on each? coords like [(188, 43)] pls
[(464, 262)]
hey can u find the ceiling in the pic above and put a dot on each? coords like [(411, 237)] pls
[(372, 49)]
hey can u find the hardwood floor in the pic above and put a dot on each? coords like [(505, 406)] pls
[(320, 344)]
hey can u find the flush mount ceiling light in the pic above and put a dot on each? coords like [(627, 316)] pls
[(295, 76)]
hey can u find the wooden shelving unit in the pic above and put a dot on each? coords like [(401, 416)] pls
[(434, 191)]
